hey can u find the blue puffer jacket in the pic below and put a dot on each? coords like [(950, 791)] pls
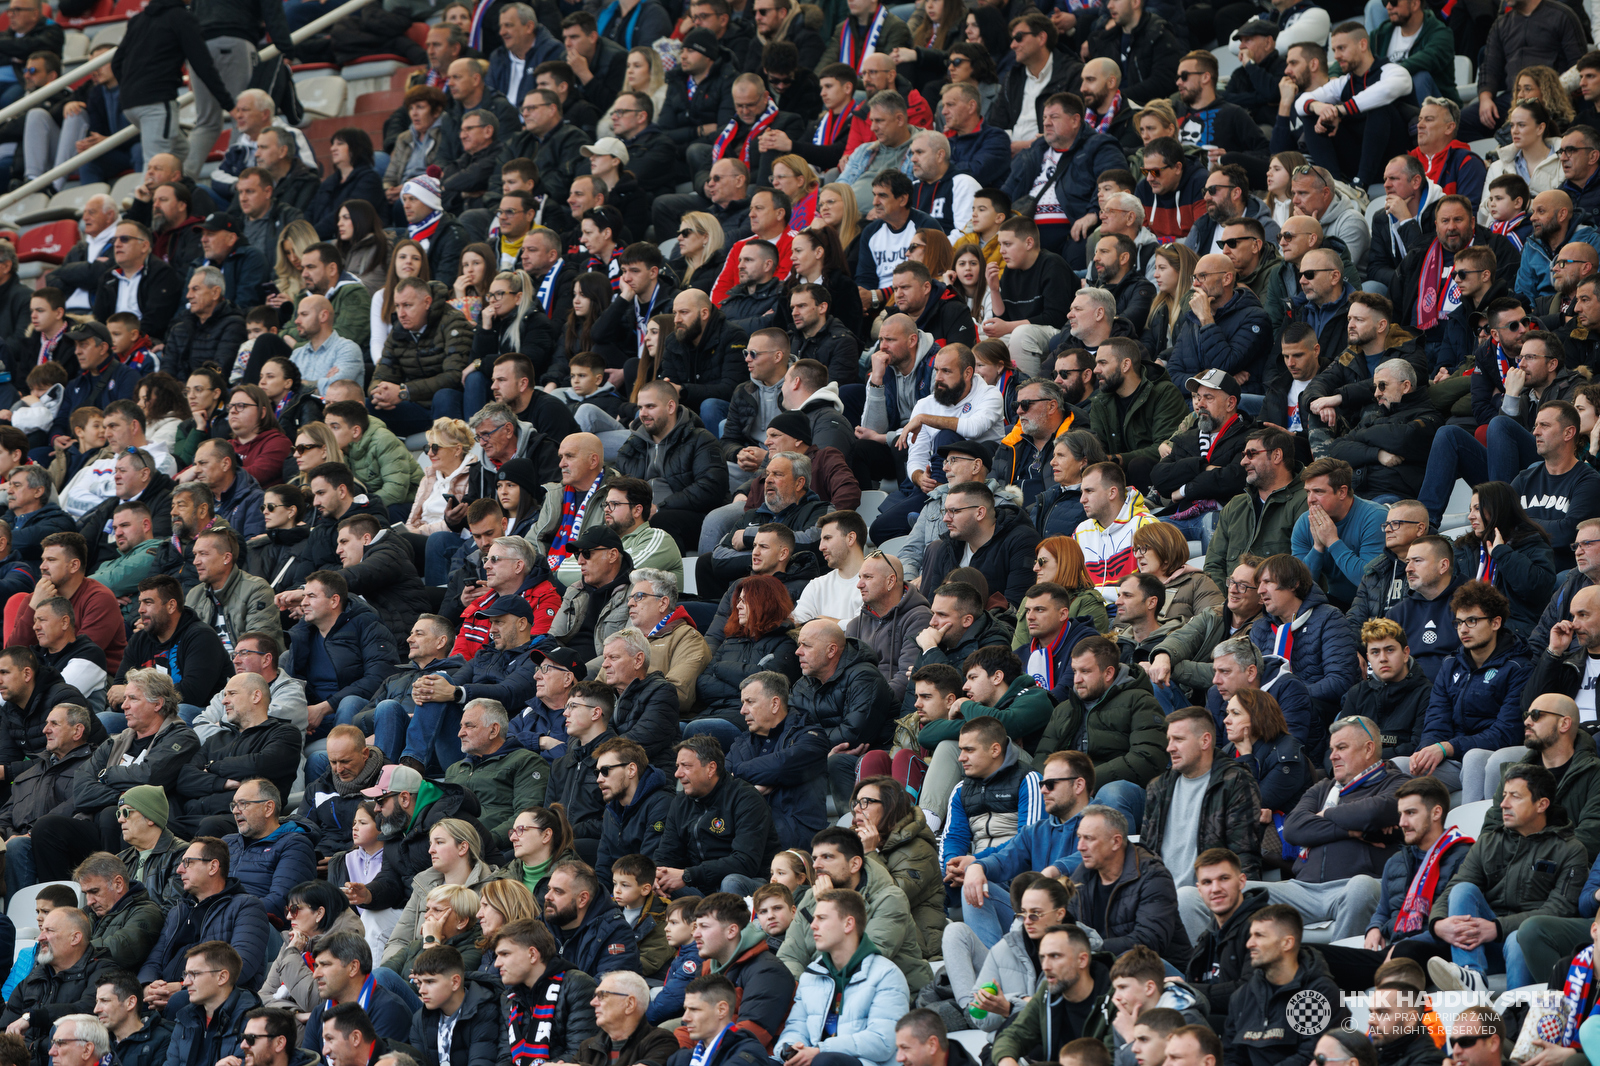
[(1238, 339), (534, 721), (1398, 873), (240, 506), (636, 828), (361, 647), (1323, 654), (603, 942), (506, 676), (985, 153), (29, 529), (1091, 155), (270, 867), (1283, 773), (194, 1040), (232, 915), (875, 997), (1479, 707), (792, 761)]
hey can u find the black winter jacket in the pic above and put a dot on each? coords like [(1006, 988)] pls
[(22, 739), (160, 291), (45, 787), (647, 714), (712, 366), (1406, 429), (571, 1021), (1006, 110), (694, 474), (47, 994), (634, 829), (736, 658), (361, 647), (387, 578), (1399, 708), (572, 784), (1141, 908), (196, 1038), (432, 359), (148, 1046), (270, 750), (1220, 964), (1152, 62), (103, 781), (232, 915), (712, 101), (1333, 852), (1002, 560), (1259, 1030), (727, 831), (1189, 468), (855, 705), (149, 63), (191, 343), (475, 1039)]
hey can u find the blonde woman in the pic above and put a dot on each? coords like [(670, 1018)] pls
[(643, 74), (701, 250), (455, 853), (1532, 153), (837, 210), (314, 445), (794, 177), (1173, 272), (1543, 84), (450, 463), (504, 326), (296, 237), (408, 260)]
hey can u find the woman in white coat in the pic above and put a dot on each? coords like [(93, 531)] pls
[(1530, 155)]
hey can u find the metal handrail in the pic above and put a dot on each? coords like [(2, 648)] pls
[(45, 92), (131, 131)]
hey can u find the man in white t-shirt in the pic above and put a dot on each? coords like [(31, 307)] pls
[(834, 595), (1301, 355), (1571, 665)]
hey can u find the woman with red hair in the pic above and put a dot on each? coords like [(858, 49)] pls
[(755, 638)]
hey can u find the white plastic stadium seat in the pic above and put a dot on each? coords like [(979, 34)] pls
[(26, 206), (20, 911), (110, 33), (1469, 817), (1464, 71), (78, 195), (974, 1040), (323, 97), (125, 185), (871, 500), (1487, 147), (76, 47)]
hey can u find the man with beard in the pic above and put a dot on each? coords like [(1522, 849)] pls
[(1104, 106), (1133, 411), (596, 606), (1434, 306), (1346, 385), (1072, 989), (1572, 661), (1257, 265), (1074, 372), (1260, 520), (1114, 258), (171, 637), (332, 798), (592, 933), (678, 460), (176, 226), (944, 196), (1202, 462), (1572, 264), (1556, 223), (1208, 121), (1023, 455), (1222, 327), (1254, 86), (935, 307)]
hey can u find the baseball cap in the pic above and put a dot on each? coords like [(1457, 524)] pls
[(598, 537), (565, 658), (1215, 379), (394, 778), (606, 146), (90, 331), (976, 448), (505, 605), (219, 221)]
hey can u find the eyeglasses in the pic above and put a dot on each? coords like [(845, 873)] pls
[(1470, 621), (952, 511), (124, 811), (956, 61), (685, 234), (1023, 405), (1525, 356), (235, 408), (1394, 524), (1567, 150), (122, 238), (240, 653), (1533, 714), (1585, 544), (1466, 1041), (518, 830), (238, 805), (637, 596), (1566, 262), (1151, 172), (1240, 586), (484, 438), (187, 861), (1234, 242), (57, 1041), (1018, 38), (861, 803), (301, 449), (1306, 275), (501, 294), (190, 974), (1049, 783)]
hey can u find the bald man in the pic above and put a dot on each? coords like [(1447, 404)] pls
[(1553, 227), (572, 506), (704, 357), (160, 168), (1323, 302), (846, 694), (892, 615), (1234, 334), (1572, 264), (325, 357), (1100, 85)]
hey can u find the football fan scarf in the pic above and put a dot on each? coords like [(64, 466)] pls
[(663, 625), (1419, 897), (572, 512), (1577, 999), (829, 126), (1432, 297), (545, 992), (852, 54), (1485, 565), (1221, 432), (1102, 123), (1508, 229), (47, 345), (706, 1050), (422, 232), (725, 138), (1046, 674), (547, 289), (628, 28)]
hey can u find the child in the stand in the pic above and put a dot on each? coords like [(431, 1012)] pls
[(685, 965), (774, 909)]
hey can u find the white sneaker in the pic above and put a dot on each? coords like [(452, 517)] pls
[(1452, 978), (934, 821)]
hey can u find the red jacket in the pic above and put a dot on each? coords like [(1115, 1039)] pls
[(474, 633), (917, 110), (264, 456)]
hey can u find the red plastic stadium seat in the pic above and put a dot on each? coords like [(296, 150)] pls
[(220, 149), (380, 57), (384, 102), (397, 80), (49, 243), (299, 68), (103, 11)]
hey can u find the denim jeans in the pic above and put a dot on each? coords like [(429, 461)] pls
[(189, 712), (475, 392), (114, 721), (714, 413), (612, 434), (436, 557), (20, 871), (409, 417), (1511, 448), (392, 980), (1455, 454), (1469, 900), (993, 920), (1124, 796)]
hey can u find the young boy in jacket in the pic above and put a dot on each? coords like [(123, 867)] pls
[(633, 889), (685, 966)]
